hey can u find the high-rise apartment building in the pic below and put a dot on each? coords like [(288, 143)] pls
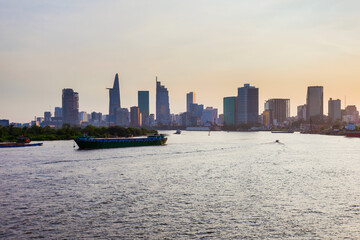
[(4, 122), (135, 117), (229, 111), (122, 117), (247, 105), (352, 114), (314, 103), (278, 110), (190, 99), (96, 116), (162, 105), (83, 117), (70, 107), (58, 112), (301, 112), (196, 111), (151, 119), (57, 119), (47, 118), (114, 97), (209, 116), (334, 107), (143, 103)]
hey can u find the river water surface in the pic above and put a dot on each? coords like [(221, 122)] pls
[(229, 185)]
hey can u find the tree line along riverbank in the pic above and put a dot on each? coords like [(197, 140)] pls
[(36, 133)]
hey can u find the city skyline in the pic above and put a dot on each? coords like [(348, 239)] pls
[(210, 48), (260, 110)]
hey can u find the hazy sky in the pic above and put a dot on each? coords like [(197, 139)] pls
[(207, 46)]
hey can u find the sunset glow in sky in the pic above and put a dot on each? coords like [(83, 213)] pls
[(206, 46)]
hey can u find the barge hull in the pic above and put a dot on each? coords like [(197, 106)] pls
[(84, 143)]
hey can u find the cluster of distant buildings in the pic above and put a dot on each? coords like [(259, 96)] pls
[(244, 109), (69, 112), (312, 111), (137, 116), (237, 110)]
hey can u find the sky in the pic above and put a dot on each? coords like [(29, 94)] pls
[(210, 47)]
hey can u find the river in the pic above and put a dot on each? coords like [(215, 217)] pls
[(226, 185)]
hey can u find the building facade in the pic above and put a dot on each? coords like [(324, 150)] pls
[(135, 117), (57, 119), (247, 109), (196, 111), (96, 119), (314, 103), (114, 99), (334, 107), (351, 114), (122, 117), (4, 122), (162, 105), (301, 112), (209, 116), (278, 111), (58, 112), (83, 117), (229, 106), (47, 118), (190, 99), (143, 103), (70, 107)]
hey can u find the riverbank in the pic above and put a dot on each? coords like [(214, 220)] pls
[(35, 133)]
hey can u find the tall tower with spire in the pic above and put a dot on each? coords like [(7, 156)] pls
[(114, 96)]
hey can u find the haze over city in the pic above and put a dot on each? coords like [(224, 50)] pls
[(209, 47)]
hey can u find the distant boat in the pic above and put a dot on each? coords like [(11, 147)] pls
[(21, 142), (178, 131), (99, 143), (282, 131), (197, 129), (352, 134)]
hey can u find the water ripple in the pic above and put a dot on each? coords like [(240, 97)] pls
[(223, 186)]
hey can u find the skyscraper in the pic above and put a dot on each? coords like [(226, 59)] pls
[(114, 95), (162, 105), (135, 117), (334, 107), (190, 99), (229, 111), (314, 103), (70, 106), (143, 103), (247, 105), (278, 109)]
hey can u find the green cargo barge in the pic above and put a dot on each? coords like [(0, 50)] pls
[(99, 143)]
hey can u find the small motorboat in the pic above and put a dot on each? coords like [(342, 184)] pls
[(283, 131)]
